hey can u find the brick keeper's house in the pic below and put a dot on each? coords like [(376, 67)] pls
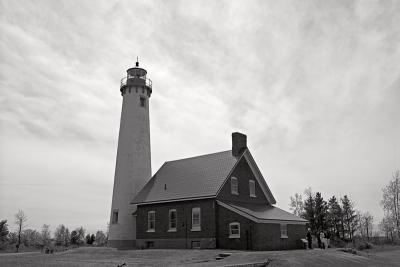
[(219, 200)]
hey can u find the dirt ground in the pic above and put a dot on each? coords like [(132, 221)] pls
[(388, 256)]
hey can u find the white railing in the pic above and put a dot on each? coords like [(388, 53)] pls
[(148, 82)]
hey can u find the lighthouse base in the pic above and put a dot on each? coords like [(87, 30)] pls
[(122, 244)]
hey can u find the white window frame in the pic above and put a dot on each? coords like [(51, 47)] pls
[(196, 226), (234, 186), (170, 228), (283, 228), (149, 220), (252, 185), (234, 234)]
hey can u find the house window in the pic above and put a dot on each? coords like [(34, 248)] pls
[(172, 220), (234, 230), (114, 218), (252, 187), (234, 186), (142, 102), (196, 219), (151, 221), (284, 231)]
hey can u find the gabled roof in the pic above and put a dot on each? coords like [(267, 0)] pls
[(196, 178), (260, 179), (190, 178), (262, 213)]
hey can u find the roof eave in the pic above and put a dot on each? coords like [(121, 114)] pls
[(253, 166), (172, 200), (260, 220)]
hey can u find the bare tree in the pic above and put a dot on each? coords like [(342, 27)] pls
[(20, 219), (297, 204), (391, 200), (387, 226), (366, 220), (45, 235), (59, 235), (31, 238)]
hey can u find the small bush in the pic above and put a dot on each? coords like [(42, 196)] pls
[(337, 243), (364, 245)]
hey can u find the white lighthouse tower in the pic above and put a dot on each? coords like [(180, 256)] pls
[(133, 167)]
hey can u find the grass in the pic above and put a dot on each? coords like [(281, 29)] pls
[(92, 256)]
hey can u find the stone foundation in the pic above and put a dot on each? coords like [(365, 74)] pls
[(177, 243)]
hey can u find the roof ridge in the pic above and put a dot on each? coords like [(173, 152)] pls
[(197, 176), (204, 155)]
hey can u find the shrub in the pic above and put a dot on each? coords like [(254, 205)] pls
[(337, 243), (364, 245)]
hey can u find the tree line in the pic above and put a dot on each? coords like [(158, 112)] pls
[(339, 217), (390, 203), (39, 239)]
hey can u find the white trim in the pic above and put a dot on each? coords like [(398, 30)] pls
[(150, 230), (252, 182), (257, 220), (196, 227), (283, 234), (260, 179), (170, 229), (233, 181), (230, 230), (229, 175)]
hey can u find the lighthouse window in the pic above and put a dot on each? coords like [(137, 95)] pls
[(142, 102), (115, 216)]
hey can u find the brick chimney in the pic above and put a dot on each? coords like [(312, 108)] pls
[(239, 143)]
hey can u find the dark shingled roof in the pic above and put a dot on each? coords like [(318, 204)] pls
[(262, 212), (196, 177)]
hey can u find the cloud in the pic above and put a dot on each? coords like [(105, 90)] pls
[(313, 84)]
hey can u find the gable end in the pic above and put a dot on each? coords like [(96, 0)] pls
[(255, 173), (260, 179)]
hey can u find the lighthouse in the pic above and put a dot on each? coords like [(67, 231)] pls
[(133, 165)]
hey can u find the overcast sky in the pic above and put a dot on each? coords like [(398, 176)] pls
[(315, 85)]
